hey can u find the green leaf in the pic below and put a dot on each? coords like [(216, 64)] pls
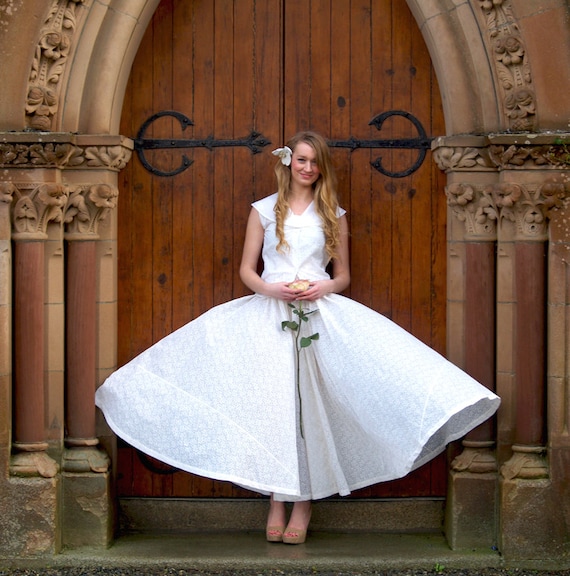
[(289, 324), (315, 336), (305, 342)]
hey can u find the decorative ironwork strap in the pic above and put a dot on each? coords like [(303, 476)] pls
[(256, 142), (422, 143)]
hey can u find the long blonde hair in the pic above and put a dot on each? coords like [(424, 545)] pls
[(325, 197)]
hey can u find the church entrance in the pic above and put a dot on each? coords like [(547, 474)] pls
[(214, 88)]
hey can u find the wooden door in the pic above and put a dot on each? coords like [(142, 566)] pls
[(274, 67)]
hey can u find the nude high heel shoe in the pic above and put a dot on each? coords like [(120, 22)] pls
[(274, 533), (294, 535)]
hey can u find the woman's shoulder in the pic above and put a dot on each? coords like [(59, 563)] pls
[(266, 206)]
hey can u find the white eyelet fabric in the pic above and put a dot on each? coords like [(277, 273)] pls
[(219, 397)]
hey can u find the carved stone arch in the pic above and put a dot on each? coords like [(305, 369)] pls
[(97, 78), (497, 61), (458, 54)]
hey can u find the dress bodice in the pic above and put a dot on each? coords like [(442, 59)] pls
[(305, 257)]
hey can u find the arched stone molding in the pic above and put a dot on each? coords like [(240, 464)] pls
[(69, 62), (495, 61), (99, 71)]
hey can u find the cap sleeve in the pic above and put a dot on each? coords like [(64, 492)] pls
[(265, 208)]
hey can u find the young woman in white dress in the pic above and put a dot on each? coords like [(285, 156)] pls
[(304, 175), (295, 391)]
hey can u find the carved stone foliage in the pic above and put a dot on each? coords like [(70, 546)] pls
[(34, 206), (64, 155), (511, 157), (483, 207), (502, 157), (50, 59), (452, 158), (87, 206), (511, 64), (80, 208), (7, 190), (475, 207)]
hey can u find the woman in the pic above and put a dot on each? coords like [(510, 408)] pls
[(294, 391)]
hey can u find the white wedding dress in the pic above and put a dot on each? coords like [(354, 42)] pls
[(219, 396)]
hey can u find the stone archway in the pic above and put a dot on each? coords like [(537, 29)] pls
[(496, 71)]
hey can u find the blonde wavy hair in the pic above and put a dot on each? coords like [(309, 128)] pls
[(325, 197)]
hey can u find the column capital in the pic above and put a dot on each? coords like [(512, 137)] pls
[(528, 207), (63, 150), (88, 205), (548, 151)]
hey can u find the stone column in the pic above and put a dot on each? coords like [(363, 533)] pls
[(530, 513), (558, 360), (471, 511), (85, 465), (519, 184), (55, 183), (88, 516), (34, 206)]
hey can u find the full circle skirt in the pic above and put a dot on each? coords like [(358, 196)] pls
[(232, 396)]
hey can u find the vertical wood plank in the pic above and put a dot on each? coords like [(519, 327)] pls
[(402, 204), (360, 173), (382, 187), (269, 101), (297, 70), (423, 194), (203, 168), (243, 160), (340, 99), (162, 187), (138, 215), (319, 64), (183, 208)]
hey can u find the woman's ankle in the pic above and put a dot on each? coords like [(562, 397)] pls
[(277, 515), (301, 515)]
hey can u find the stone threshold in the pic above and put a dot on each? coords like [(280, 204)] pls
[(398, 515)]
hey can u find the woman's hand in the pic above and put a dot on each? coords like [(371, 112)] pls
[(316, 290), (281, 291)]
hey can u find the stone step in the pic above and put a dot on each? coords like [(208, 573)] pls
[(399, 515)]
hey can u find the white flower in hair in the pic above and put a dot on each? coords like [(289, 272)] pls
[(285, 154)]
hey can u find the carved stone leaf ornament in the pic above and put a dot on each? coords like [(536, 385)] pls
[(64, 155), (483, 208), (50, 59), (34, 210), (106, 156), (87, 206), (452, 158), (508, 52), (475, 206), (7, 190)]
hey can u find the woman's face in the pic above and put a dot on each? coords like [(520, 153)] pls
[(304, 168)]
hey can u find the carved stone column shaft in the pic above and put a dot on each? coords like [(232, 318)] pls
[(530, 343), (81, 342), (480, 323), (29, 420)]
